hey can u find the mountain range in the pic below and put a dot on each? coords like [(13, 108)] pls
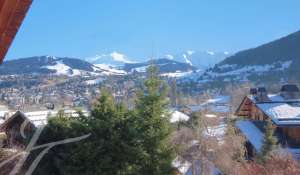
[(199, 59), (276, 61), (74, 67)]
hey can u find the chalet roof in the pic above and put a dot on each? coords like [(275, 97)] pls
[(40, 118), (289, 88), (255, 136), (177, 116), (12, 14), (282, 113), (251, 132), (280, 110)]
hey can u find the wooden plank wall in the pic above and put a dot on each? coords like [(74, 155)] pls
[(12, 14)]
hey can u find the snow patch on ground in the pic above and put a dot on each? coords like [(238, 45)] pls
[(94, 82), (177, 116), (252, 69), (177, 74), (60, 68), (216, 131), (108, 70)]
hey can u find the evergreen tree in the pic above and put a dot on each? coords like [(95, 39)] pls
[(154, 126), (122, 142), (269, 142)]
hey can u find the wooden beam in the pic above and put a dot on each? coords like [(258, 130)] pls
[(12, 14)]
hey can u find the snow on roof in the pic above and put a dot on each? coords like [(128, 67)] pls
[(177, 116), (181, 165), (40, 118), (282, 113), (276, 97), (252, 133)]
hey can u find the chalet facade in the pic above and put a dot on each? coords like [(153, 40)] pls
[(283, 109), (18, 128)]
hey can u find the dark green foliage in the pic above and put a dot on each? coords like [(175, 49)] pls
[(284, 49), (269, 142), (154, 128), (122, 142), (37, 65)]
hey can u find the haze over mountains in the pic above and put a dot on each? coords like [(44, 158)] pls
[(275, 61), (198, 59), (278, 60), (114, 63)]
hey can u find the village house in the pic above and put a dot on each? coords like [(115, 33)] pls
[(283, 109), (18, 128)]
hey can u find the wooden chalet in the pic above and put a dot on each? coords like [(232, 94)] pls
[(12, 14), (283, 109), (17, 130)]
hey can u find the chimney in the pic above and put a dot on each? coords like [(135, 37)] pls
[(262, 95), (253, 91), (290, 91)]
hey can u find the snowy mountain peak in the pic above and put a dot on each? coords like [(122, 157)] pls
[(210, 53), (120, 57), (226, 53), (169, 56), (114, 59), (190, 52)]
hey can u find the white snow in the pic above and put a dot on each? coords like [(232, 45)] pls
[(140, 69), (187, 60), (177, 116), (252, 133), (171, 57), (210, 53), (219, 99), (108, 70), (177, 74), (211, 116), (120, 57), (94, 82), (190, 52), (181, 165), (60, 68), (251, 69), (216, 131), (276, 97), (40, 118), (282, 113)]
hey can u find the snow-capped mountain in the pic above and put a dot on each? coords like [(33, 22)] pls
[(164, 65), (77, 67), (54, 65), (111, 59), (199, 59), (276, 61)]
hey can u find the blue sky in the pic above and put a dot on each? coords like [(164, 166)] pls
[(139, 28)]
